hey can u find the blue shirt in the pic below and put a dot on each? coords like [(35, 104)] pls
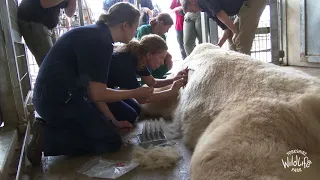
[(212, 7), (79, 56), (123, 71)]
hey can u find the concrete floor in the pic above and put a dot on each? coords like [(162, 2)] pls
[(64, 168), (311, 71)]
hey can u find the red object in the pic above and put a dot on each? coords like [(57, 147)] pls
[(121, 164), (179, 18)]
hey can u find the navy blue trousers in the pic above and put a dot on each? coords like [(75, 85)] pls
[(79, 128)]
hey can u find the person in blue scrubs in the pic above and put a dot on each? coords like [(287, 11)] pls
[(71, 88), (136, 58)]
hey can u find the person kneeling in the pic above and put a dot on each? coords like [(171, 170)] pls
[(135, 59)]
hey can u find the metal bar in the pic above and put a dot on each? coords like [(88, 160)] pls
[(264, 50), (263, 30), (284, 42), (204, 27), (20, 56), (275, 58), (22, 158), (23, 77), (302, 30), (80, 12), (213, 28)]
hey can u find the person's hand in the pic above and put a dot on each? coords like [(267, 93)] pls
[(178, 84), (124, 126), (226, 34), (235, 37), (181, 74), (143, 93)]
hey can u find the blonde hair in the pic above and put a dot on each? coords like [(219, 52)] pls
[(162, 17), (151, 43)]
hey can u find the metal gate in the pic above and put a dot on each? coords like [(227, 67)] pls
[(17, 89)]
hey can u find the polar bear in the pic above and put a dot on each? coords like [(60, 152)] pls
[(242, 116)]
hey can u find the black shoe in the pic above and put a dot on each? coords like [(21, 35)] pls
[(35, 146)]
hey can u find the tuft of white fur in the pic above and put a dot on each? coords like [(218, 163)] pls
[(241, 115), (156, 157)]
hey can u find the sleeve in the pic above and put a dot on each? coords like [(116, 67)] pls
[(143, 72), (164, 37), (93, 58), (211, 7), (141, 32)]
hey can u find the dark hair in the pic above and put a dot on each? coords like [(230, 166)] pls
[(150, 43), (164, 17), (119, 13)]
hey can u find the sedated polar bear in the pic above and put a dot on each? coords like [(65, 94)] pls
[(242, 116)]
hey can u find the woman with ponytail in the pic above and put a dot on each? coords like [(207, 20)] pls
[(71, 87), (138, 58), (159, 25)]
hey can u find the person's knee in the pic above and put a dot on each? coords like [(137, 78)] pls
[(244, 44), (138, 110), (108, 144), (132, 116), (114, 144)]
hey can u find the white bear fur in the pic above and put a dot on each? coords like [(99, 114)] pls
[(241, 116)]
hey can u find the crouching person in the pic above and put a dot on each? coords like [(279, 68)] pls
[(137, 58), (71, 84)]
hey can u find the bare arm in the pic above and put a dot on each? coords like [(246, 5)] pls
[(71, 9), (225, 36), (156, 83), (104, 109), (98, 92), (159, 96), (162, 95), (224, 18)]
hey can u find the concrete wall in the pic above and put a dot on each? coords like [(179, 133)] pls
[(293, 35)]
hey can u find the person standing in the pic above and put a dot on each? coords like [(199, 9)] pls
[(37, 19), (177, 8), (239, 33), (192, 31)]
